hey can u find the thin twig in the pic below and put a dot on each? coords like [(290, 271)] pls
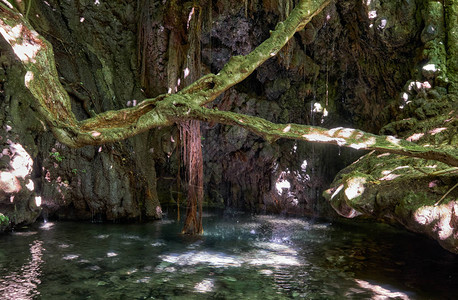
[(443, 197)]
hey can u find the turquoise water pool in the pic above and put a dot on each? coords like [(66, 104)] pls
[(238, 257)]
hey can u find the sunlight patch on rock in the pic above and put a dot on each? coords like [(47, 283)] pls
[(282, 184), (437, 130), (440, 217), (287, 128), (27, 78), (393, 140), (337, 191), (30, 185), (430, 67), (346, 132), (25, 51), (9, 183), (21, 162), (354, 187), (314, 137), (415, 137), (389, 177), (371, 141)]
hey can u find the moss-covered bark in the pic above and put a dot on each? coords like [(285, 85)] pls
[(417, 194), (344, 137), (451, 22), (41, 79)]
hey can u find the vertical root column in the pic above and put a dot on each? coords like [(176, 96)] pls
[(192, 157)]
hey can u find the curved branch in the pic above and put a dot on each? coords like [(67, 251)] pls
[(344, 137), (37, 56), (41, 79), (209, 87)]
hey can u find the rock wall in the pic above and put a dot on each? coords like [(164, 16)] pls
[(330, 74), (418, 194), (95, 51)]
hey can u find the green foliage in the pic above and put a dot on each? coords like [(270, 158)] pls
[(75, 171), (57, 156), (4, 220)]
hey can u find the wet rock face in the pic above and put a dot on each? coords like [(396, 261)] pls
[(330, 74), (346, 68), (415, 193), (418, 194), (97, 69), (87, 183), (18, 202), (360, 34)]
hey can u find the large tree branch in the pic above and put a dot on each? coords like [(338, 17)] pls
[(344, 137), (41, 79), (207, 88), (37, 56)]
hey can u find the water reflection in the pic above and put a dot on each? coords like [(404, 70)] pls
[(205, 286), (23, 284), (213, 259), (381, 292), (238, 257), (47, 225)]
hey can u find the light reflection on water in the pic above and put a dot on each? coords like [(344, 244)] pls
[(238, 257), (23, 283)]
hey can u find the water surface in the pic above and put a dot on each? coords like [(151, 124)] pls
[(238, 257)]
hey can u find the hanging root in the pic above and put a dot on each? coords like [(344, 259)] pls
[(192, 158)]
